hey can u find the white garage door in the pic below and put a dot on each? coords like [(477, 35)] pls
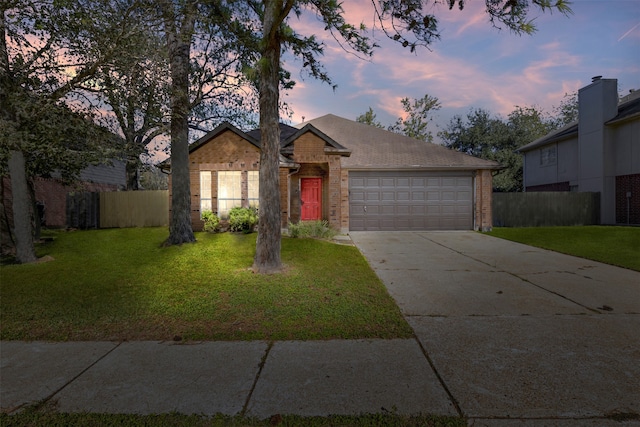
[(382, 200)]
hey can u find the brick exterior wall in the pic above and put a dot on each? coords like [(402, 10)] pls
[(556, 186), (628, 209), (483, 218), (308, 151), (228, 152), (344, 200)]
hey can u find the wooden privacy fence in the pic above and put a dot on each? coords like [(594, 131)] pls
[(120, 209), (545, 209)]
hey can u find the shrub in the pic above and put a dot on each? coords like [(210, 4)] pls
[(211, 221), (319, 229), (243, 219)]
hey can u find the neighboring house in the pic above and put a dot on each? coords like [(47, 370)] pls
[(355, 176), (598, 153)]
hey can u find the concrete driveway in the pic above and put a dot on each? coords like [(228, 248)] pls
[(515, 331)]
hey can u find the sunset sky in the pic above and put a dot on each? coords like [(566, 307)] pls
[(474, 64)]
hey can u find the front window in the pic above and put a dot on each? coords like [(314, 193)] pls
[(229, 192), (205, 191), (253, 184)]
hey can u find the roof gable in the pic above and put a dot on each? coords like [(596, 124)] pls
[(331, 146), (226, 126)]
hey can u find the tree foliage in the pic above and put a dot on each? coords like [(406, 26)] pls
[(369, 118), (415, 123), (491, 137), (567, 111), (44, 58)]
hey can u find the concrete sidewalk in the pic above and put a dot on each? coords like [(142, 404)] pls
[(506, 334), (250, 378)]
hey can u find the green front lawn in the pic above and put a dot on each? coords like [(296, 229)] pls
[(119, 284), (611, 245), (28, 419)]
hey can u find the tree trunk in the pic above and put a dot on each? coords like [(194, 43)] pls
[(267, 258), (22, 209), (179, 43), (133, 178)]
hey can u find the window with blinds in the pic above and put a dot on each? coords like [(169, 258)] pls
[(229, 192)]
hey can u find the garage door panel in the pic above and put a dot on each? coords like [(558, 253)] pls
[(387, 210), (403, 196), (388, 196), (449, 182), (433, 196), (402, 182), (448, 196), (356, 196), (402, 209), (382, 200), (418, 196)]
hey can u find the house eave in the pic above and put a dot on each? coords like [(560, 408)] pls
[(439, 168), (568, 132)]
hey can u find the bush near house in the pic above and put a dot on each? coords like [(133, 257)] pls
[(211, 221), (243, 219), (319, 229)]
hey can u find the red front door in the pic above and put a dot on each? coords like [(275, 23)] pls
[(311, 199)]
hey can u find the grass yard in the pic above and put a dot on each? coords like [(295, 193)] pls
[(27, 419), (119, 284), (611, 245)]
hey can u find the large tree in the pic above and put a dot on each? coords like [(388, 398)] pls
[(491, 137), (206, 49), (44, 57), (136, 87), (409, 22)]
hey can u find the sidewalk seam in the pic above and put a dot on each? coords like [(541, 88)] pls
[(48, 398), (454, 401), (263, 361)]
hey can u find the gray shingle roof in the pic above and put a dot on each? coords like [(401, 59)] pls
[(375, 148), (566, 132)]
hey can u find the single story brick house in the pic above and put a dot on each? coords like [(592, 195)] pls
[(356, 176)]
